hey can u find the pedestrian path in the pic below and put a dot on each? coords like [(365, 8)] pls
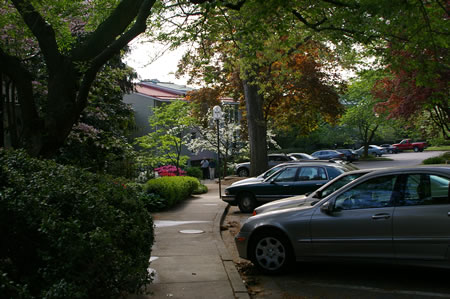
[(189, 258)]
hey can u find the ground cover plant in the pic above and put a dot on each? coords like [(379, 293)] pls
[(68, 233)]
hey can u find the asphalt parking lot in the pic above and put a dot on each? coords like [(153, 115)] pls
[(320, 280)]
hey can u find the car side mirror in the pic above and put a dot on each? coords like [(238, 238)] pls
[(272, 181), (318, 194), (327, 208)]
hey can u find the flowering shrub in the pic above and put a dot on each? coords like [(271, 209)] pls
[(169, 170)]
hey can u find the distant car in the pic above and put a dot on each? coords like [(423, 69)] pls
[(295, 179), (243, 169), (392, 216), (389, 148), (302, 156), (350, 155), (328, 154), (374, 150), (407, 144), (314, 197)]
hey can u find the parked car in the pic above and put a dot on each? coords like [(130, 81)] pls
[(263, 175), (243, 169), (391, 216), (302, 156), (295, 179), (314, 197), (374, 150), (407, 144), (350, 155), (328, 154), (389, 148)]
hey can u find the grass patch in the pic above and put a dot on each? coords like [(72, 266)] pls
[(438, 148)]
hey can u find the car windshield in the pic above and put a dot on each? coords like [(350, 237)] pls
[(271, 171), (338, 184)]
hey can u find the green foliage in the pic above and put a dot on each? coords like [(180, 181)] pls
[(163, 146), (67, 233), (442, 159), (201, 189), (195, 172), (98, 143), (172, 189)]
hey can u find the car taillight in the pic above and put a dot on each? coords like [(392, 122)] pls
[(254, 213)]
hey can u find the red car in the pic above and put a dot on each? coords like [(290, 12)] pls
[(407, 144)]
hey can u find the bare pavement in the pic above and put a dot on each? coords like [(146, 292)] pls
[(189, 258)]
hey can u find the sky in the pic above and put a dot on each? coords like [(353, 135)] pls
[(147, 61)]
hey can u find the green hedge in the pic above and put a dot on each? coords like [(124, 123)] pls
[(442, 159), (195, 172), (67, 233), (172, 189)]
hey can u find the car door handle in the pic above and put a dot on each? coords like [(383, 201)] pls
[(381, 216)]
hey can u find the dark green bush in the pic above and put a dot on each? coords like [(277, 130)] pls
[(172, 189), (67, 233), (201, 189), (195, 172), (442, 159)]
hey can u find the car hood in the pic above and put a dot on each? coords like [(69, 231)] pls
[(291, 202), (276, 217), (247, 181)]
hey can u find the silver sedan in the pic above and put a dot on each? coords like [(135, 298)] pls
[(390, 216)]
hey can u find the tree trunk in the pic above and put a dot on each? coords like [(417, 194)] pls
[(2, 105), (257, 128)]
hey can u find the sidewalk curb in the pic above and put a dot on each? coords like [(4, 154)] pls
[(239, 289)]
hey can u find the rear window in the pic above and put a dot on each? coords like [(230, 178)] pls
[(334, 172)]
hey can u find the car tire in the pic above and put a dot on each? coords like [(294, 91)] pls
[(247, 202), (271, 252), (390, 152), (416, 149), (243, 172)]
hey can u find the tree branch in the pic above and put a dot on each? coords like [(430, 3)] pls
[(138, 27), (43, 32), (105, 36)]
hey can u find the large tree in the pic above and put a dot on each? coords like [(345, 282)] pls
[(71, 41), (254, 48)]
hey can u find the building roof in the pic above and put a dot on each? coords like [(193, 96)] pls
[(162, 90)]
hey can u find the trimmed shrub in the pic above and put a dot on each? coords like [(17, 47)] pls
[(442, 159), (195, 172), (201, 189), (172, 189), (67, 233)]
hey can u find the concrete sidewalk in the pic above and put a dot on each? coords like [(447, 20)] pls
[(189, 258)]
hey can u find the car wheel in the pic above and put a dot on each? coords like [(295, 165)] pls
[(243, 172), (247, 202), (390, 151), (271, 252), (416, 149)]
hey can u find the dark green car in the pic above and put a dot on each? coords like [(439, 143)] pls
[(291, 180)]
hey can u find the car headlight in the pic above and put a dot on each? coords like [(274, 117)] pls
[(227, 192)]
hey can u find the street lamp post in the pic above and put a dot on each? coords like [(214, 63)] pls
[(217, 115)]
